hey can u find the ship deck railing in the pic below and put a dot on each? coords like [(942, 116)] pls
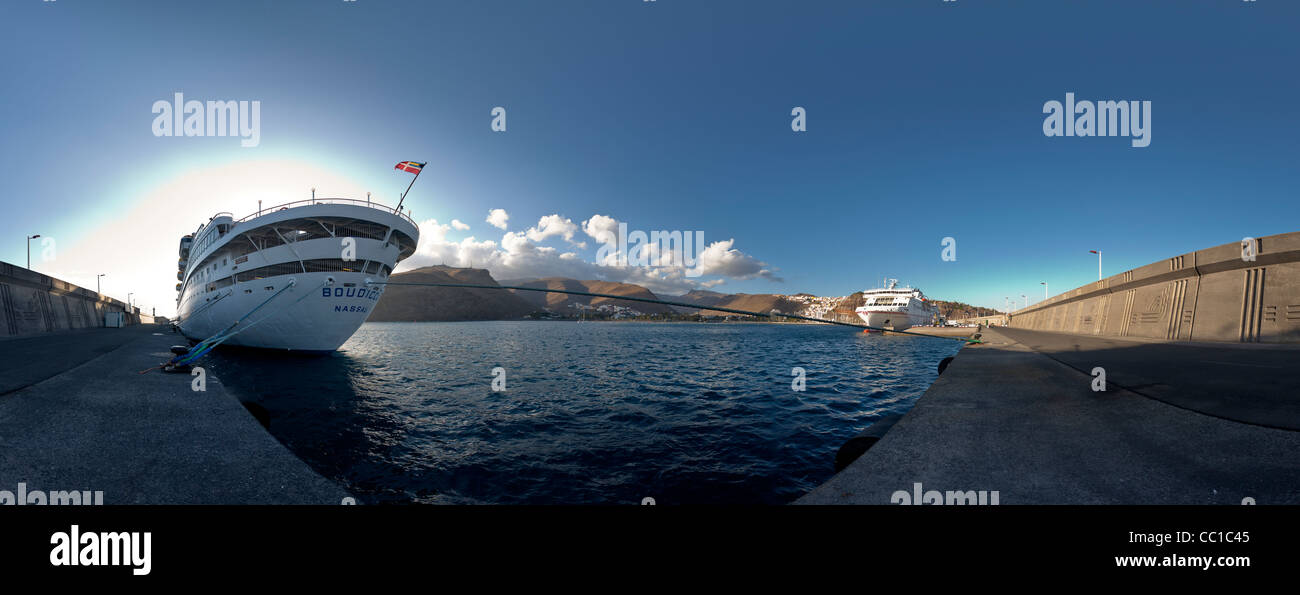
[(328, 201)]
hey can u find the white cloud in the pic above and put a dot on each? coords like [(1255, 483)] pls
[(602, 228), (519, 256), (498, 218), (719, 258), (515, 241), (552, 225), (432, 231), (457, 224)]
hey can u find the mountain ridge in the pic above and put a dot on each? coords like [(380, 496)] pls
[(436, 304)]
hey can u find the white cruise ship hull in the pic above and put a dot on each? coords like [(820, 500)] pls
[(312, 316), (894, 320), (299, 278)]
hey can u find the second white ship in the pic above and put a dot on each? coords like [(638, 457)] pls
[(896, 308)]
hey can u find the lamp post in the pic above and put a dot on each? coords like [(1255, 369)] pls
[(1098, 253), (97, 290), (1025, 299), (1044, 284), (128, 300), (29, 250)]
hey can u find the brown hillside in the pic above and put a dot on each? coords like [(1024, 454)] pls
[(428, 304), (953, 310), (562, 303), (844, 311), (753, 302)]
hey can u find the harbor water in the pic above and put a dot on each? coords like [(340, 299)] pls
[(597, 412)]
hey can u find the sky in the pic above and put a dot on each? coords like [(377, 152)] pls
[(924, 120)]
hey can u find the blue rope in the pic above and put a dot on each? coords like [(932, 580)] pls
[(206, 345)]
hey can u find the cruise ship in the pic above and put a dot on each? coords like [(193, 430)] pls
[(896, 308), (294, 276)]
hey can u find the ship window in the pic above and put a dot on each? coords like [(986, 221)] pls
[(301, 230), (331, 265), (372, 267), (269, 287), (274, 270), (293, 230), (386, 269), (352, 228), (405, 245)]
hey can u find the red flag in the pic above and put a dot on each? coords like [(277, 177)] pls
[(410, 167)]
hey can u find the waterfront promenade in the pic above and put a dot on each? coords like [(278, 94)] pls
[(1179, 423), (78, 416)]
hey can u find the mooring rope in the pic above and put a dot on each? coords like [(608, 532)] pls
[(770, 315), (202, 348)]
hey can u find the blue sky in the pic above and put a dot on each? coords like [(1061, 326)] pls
[(924, 120)]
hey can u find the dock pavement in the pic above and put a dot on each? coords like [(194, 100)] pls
[(1177, 423), (76, 415)]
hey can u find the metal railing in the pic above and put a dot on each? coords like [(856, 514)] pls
[(328, 201)]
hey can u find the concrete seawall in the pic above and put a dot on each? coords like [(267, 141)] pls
[(33, 303), (1208, 295)]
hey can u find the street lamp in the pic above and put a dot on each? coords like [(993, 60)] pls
[(1026, 300), (1098, 253), (97, 290), (1044, 284), (29, 250)]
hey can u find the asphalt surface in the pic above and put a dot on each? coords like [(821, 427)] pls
[(139, 438), (1004, 417), (24, 361), (1252, 383)]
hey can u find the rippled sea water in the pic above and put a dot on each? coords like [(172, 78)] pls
[(593, 413)]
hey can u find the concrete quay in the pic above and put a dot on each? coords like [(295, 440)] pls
[(78, 416), (942, 331), (1179, 423)]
